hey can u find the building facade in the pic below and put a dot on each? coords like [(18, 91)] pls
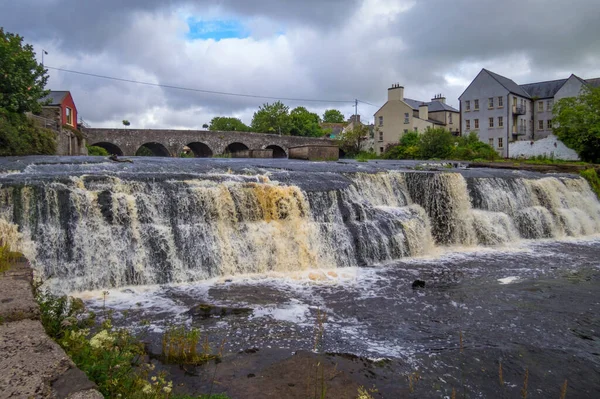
[(400, 115), (500, 111), (60, 107)]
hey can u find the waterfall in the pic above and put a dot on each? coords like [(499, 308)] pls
[(98, 231)]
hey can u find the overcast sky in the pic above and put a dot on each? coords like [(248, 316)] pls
[(307, 49)]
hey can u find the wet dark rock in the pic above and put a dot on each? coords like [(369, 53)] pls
[(418, 284), (206, 311), (251, 375), (249, 350)]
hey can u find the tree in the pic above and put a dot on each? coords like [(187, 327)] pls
[(577, 123), (272, 118), (227, 124), (333, 116), (436, 143), (22, 79), (351, 141), (305, 123), (126, 122), (408, 147), (205, 126)]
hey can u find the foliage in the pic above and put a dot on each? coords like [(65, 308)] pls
[(440, 144), (7, 257), (577, 123), (226, 124), (205, 126), (97, 151), (436, 143), (351, 141), (364, 156), (112, 358), (305, 123), (180, 346), (591, 175), (408, 147), (272, 118), (19, 135), (126, 122), (23, 79), (333, 116), (144, 151)]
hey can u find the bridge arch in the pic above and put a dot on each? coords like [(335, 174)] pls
[(342, 153), (152, 149), (278, 152), (235, 147), (200, 150), (111, 148)]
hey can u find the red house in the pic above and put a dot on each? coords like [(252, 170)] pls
[(60, 107)]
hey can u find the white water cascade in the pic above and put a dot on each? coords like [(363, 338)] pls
[(92, 232)]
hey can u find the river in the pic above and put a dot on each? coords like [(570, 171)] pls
[(506, 261)]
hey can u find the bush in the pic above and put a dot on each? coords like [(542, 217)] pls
[(592, 178), (439, 143), (97, 151), (21, 136)]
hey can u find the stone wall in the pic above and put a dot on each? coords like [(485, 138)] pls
[(32, 364), (550, 147), (315, 152), (129, 141)]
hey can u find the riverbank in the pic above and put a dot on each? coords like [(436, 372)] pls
[(33, 364)]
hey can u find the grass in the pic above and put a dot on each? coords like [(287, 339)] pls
[(591, 175), (7, 257), (180, 346)]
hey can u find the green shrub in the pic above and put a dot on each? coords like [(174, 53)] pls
[(21, 136), (592, 178), (97, 151), (111, 357)]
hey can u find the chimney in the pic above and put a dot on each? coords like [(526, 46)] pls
[(423, 111), (354, 118), (440, 98), (396, 92)]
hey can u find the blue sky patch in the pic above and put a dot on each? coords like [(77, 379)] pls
[(216, 29)]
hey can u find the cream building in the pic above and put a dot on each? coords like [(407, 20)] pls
[(400, 115)]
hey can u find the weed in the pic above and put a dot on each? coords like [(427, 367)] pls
[(593, 180), (525, 383), (413, 378), (180, 346), (563, 390)]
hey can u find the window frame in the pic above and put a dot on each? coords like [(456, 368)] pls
[(491, 102), (476, 123), (540, 124), (467, 105), (500, 121), (476, 105), (69, 116), (500, 102), (491, 122), (500, 142), (467, 124)]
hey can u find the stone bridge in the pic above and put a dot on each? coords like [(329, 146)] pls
[(203, 143)]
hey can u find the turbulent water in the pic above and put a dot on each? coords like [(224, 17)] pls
[(89, 224)]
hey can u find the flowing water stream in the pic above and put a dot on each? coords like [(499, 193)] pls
[(508, 258)]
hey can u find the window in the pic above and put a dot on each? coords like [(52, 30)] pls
[(468, 105), (500, 102), (381, 150), (549, 105), (416, 129), (381, 121), (380, 135), (491, 102), (476, 123), (540, 125), (406, 117), (69, 114), (450, 118), (515, 101), (549, 124), (468, 124), (500, 142), (405, 130), (500, 121), (540, 106), (476, 105), (491, 122), (491, 141)]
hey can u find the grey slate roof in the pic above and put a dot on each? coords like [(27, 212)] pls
[(593, 82), (508, 84), (544, 89), (55, 97), (433, 106)]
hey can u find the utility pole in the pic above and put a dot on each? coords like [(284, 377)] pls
[(355, 109), (43, 52)]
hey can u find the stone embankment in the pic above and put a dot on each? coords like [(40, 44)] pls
[(32, 364)]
